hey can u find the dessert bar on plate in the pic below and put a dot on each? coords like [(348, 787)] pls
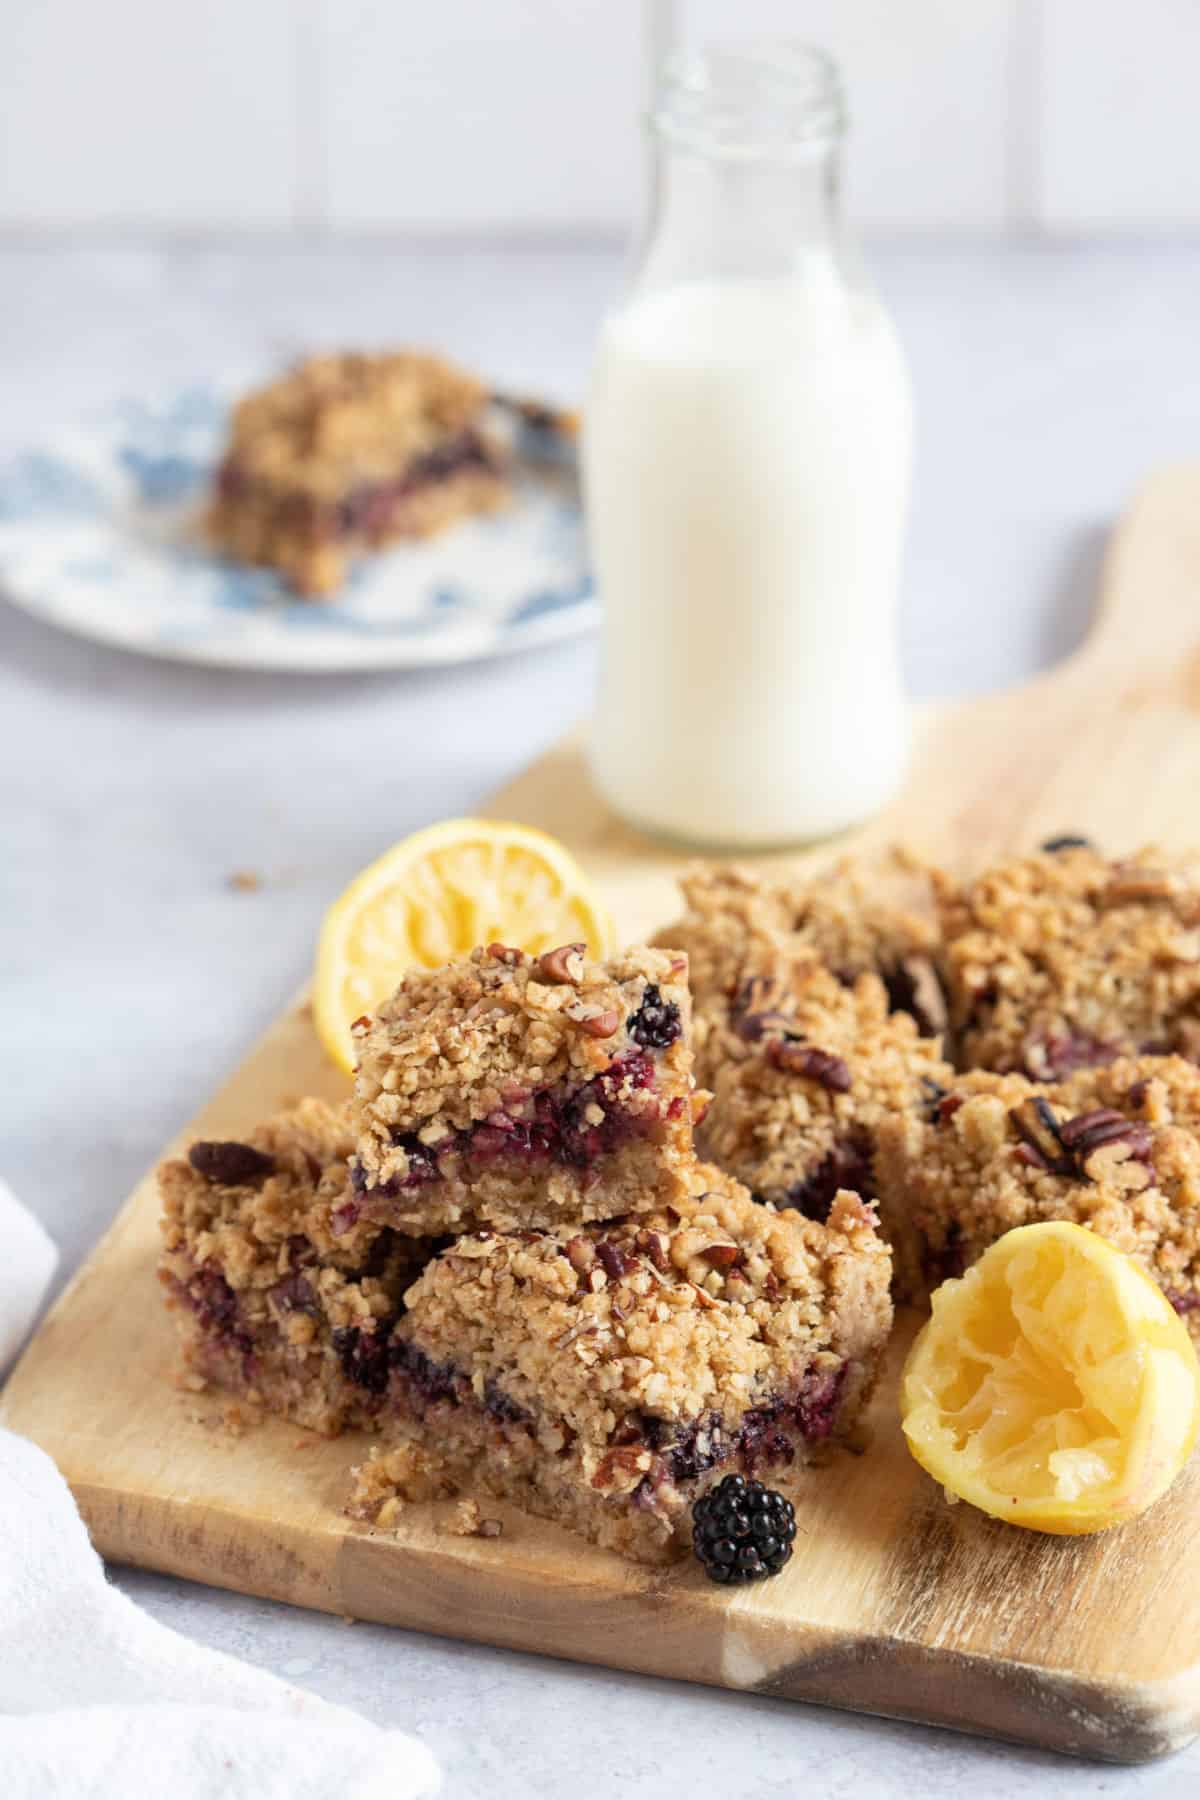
[(605, 1375), (515, 1091), (1066, 959), (269, 1304), (1114, 1149), (349, 452)]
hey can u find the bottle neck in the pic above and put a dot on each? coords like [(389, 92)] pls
[(725, 218)]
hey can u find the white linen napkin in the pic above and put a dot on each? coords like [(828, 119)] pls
[(28, 1259), (97, 1700)]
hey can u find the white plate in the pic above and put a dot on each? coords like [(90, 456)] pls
[(97, 535)]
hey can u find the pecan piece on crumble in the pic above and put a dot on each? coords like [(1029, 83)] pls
[(822, 1066), (231, 1164), (562, 965), (1036, 1123)]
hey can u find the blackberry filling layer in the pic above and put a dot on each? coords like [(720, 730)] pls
[(368, 510), (847, 1165), (571, 1129), (215, 1305), (766, 1436)]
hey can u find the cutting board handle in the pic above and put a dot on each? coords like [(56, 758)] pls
[(1148, 618)]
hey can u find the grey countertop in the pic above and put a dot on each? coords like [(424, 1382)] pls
[(132, 977)]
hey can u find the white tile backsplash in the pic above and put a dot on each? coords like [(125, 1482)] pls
[(514, 114), (148, 112), (519, 115), (928, 89), (1118, 122)]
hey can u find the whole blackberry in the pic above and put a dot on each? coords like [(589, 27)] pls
[(742, 1531), (656, 1023)]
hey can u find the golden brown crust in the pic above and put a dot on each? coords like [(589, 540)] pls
[(1065, 958), (803, 1075), (857, 916), (1112, 1149)]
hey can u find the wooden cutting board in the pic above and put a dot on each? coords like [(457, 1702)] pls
[(895, 1602)]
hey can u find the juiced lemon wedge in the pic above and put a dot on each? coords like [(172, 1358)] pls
[(436, 895), (1054, 1385)]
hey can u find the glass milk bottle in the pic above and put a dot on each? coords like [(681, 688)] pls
[(746, 467)]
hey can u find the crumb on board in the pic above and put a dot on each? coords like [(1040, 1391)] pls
[(243, 881), (468, 1521)]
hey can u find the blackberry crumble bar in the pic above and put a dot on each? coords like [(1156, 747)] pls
[(1064, 960), (515, 1091), (803, 1074), (604, 1376), (269, 1304), (348, 452), (1112, 1149), (856, 917)]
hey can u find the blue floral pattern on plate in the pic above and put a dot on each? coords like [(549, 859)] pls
[(99, 533)]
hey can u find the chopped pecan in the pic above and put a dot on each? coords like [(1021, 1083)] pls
[(580, 1253), (506, 954), (947, 1106), (614, 1259), (704, 1300), (1036, 1123), (821, 1066), (581, 1328), (721, 1256), (229, 1164), (626, 1461), (758, 1008), (654, 1245), (1129, 885), (588, 1018), (562, 965), (1088, 1130)]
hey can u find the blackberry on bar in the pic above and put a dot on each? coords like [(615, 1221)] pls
[(742, 1531), (656, 1024)]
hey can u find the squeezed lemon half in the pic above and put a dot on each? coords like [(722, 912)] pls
[(1054, 1386), (435, 896)]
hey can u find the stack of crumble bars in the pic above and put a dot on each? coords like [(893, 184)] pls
[(507, 1260), (541, 1264)]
